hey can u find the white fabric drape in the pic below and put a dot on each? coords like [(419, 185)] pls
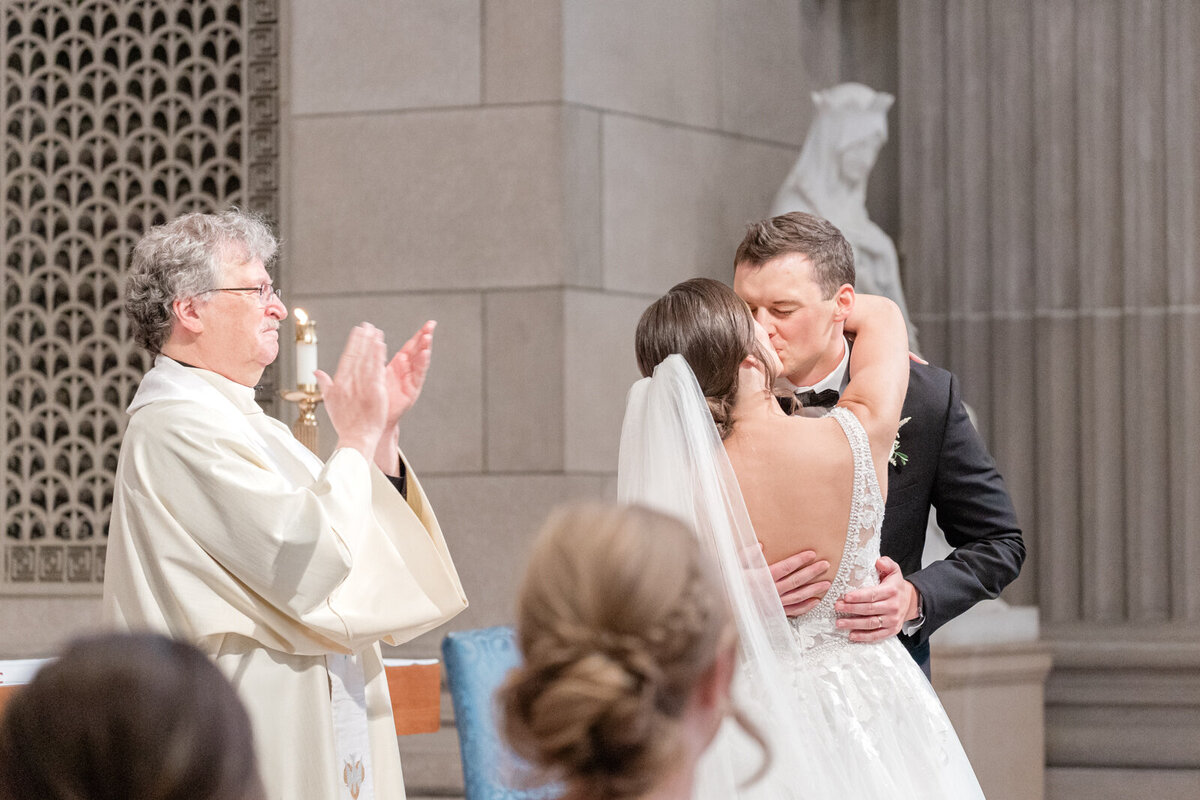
[(672, 460)]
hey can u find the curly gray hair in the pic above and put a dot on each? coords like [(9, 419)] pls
[(181, 259)]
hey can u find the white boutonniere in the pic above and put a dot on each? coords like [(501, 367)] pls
[(898, 459)]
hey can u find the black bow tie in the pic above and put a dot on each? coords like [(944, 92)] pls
[(826, 398)]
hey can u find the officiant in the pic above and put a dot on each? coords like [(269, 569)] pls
[(287, 570)]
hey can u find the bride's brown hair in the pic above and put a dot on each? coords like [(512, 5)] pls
[(619, 618), (711, 327)]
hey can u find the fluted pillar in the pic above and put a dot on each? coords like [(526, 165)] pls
[(1050, 221)]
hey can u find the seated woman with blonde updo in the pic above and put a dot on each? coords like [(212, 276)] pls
[(628, 651)]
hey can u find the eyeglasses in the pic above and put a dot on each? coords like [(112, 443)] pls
[(264, 291)]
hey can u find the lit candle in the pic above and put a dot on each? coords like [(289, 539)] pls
[(306, 351)]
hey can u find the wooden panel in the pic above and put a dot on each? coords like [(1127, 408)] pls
[(415, 691), (6, 693)]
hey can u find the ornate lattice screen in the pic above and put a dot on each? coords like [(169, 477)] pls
[(117, 115)]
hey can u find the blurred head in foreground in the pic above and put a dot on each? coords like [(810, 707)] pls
[(128, 717), (628, 650)]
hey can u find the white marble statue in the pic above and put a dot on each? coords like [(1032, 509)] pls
[(830, 180)]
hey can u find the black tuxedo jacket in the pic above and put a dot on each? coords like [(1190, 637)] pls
[(950, 469)]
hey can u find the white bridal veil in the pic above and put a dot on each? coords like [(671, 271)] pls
[(672, 460)]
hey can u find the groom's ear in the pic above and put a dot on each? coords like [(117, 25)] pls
[(843, 300)]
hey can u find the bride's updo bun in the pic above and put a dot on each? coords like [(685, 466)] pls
[(711, 327), (618, 620)]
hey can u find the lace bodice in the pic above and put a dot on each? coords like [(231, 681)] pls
[(815, 631)]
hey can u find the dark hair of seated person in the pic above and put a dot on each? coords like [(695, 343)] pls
[(128, 717)]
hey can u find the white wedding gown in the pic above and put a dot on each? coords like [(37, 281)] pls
[(843, 720)]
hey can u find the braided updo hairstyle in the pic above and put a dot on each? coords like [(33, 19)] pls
[(711, 327), (618, 620)]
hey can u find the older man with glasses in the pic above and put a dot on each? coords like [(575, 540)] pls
[(227, 532)]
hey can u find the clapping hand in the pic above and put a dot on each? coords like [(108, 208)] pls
[(404, 377), (406, 373), (356, 397)]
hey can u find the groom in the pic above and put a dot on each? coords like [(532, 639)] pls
[(800, 289)]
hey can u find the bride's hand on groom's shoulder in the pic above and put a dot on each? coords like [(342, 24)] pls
[(874, 613), (796, 580)]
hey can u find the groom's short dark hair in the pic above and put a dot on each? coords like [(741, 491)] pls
[(818, 239)]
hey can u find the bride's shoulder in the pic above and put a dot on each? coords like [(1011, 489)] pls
[(796, 437)]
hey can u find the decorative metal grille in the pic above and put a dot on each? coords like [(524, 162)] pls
[(117, 115)]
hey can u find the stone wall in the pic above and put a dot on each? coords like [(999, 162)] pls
[(532, 175)]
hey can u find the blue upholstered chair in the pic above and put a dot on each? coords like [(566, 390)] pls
[(476, 663)]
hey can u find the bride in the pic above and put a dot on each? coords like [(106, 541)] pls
[(706, 439)]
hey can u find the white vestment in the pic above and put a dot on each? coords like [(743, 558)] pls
[(227, 533)]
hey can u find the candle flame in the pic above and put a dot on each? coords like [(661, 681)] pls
[(301, 316)]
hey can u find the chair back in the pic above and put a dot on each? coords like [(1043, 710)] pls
[(477, 662)]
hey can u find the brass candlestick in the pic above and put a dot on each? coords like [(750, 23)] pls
[(305, 394), (305, 427)]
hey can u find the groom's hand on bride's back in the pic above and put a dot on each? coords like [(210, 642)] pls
[(797, 581), (874, 613)]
